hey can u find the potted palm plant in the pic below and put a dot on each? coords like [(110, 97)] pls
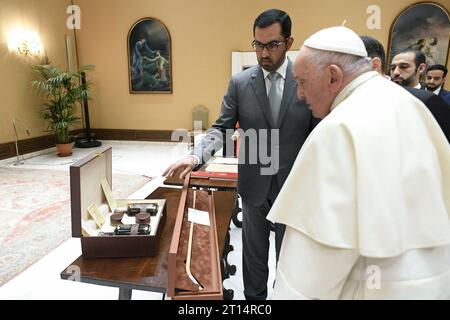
[(63, 91)]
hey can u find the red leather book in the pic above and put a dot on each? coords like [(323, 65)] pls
[(200, 174), (215, 175)]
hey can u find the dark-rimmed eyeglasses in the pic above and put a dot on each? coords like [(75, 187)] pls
[(271, 46)]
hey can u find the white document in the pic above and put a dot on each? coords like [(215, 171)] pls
[(89, 228), (226, 161), (198, 216), (226, 168)]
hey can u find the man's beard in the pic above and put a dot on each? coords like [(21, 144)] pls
[(404, 82), (432, 88), (267, 64)]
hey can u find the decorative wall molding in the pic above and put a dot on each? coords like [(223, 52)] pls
[(8, 150), (133, 135)]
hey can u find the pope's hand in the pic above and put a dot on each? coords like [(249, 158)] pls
[(186, 165)]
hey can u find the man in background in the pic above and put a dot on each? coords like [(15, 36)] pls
[(434, 103), (406, 68), (376, 52), (435, 81)]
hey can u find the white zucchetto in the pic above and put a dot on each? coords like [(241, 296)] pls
[(337, 39)]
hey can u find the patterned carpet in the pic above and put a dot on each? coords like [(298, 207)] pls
[(35, 214)]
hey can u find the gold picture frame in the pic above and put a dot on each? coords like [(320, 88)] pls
[(424, 26), (149, 57)]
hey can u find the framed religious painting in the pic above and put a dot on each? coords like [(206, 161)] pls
[(149, 57), (424, 26)]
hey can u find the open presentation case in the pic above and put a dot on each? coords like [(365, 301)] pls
[(194, 261), (90, 186)]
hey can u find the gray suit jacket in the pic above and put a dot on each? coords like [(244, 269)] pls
[(246, 102)]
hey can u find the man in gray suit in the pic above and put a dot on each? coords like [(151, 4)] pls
[(274, 125)]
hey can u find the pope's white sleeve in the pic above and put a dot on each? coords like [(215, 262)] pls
[(310, 270)]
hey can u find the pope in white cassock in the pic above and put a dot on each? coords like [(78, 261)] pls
[(367, 202)]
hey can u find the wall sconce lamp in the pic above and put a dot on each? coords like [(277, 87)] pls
[(26, 43)]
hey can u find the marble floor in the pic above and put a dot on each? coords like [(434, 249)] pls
[(42, 281)]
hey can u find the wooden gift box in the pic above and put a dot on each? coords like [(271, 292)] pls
[(85, 188), (205, 259)]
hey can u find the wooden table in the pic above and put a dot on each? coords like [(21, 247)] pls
[(222, 185), (149, 273), (219, 184)]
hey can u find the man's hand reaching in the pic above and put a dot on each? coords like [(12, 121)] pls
[(186, 165)]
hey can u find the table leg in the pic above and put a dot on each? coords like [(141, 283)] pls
[(237, 209), (125, 294), (227, 269), (228, 294), (231, 269)]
